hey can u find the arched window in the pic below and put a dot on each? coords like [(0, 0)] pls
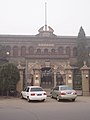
[(31, 50), (45, 51), (15, 51), (74, 52), (23, 51), (8, 50), (60, 50), (68, 51), (38, 51), (52, 51)]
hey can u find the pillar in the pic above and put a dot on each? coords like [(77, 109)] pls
[(37, 77), (85, 80), (69, 75), (54, 78), (55, 71), (20, 84)]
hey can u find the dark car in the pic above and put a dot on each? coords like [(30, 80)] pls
[(12, 91)]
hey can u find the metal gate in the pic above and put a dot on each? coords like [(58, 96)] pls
[(77, 79), (47, 77)]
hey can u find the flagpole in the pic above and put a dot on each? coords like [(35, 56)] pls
[(45, 16)]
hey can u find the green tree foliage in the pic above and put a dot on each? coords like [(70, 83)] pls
[(81, 48), (9, 75), (3, 55)]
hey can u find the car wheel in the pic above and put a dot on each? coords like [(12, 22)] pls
[(58, 99), (73, 100), (43, 100), (28, 99)]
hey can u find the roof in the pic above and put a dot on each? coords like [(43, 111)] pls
[(33, 86)]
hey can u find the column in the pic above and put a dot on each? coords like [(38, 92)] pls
[(36, 77), (54, 78), (69, 75), (20, 84), (85, 80), (55, 71)]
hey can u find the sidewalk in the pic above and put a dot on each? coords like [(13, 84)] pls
[(87, 98), (8, 97)]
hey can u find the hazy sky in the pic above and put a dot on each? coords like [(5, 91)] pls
[(27, 16)]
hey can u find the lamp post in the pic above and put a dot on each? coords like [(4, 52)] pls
[(55, 71)]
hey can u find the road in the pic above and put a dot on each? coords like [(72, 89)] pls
[(20, 109)]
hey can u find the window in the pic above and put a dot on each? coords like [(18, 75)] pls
[(36, 89), (45, 51), (8, 49), (66, 88), (52, 51), (23, 51), (15, 51), (60, 50), (74, 52), (38, 51), (68, 51), (31, 50)]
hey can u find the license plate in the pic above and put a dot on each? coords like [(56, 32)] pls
[(69, 92), (39, 94)]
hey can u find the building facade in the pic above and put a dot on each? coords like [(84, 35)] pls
[(48, 59)]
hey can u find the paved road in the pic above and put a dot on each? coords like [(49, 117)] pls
[(18, 109)]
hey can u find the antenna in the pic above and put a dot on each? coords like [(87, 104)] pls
[(45, 16)]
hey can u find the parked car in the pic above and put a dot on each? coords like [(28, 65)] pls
[(34, 93), (63, 92), (12, 91)]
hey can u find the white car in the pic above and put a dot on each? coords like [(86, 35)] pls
[(63, 92), (34, 93)]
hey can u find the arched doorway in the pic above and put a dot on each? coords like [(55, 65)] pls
[(47, 77)]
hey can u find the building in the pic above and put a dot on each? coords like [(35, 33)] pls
[(47, 59)]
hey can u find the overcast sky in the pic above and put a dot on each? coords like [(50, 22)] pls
[(27, 16)]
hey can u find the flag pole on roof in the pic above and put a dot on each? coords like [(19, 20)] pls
[(45, 16)]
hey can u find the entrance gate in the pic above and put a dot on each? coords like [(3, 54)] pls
[(47, 77), (77, 80), (59, 79)]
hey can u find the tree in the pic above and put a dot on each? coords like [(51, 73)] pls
[(3, 54), (81, 48), (9, 75)]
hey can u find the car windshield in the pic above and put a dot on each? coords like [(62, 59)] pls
[(36, 89), (66, 88)]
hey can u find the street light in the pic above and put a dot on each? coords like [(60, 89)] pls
[(4, 58), (7, 53)]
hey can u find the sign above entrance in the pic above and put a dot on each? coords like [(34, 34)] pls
[(45, 45)]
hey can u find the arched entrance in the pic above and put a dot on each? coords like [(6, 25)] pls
[(47, 77)]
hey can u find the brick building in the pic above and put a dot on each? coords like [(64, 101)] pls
[(47, 59)]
